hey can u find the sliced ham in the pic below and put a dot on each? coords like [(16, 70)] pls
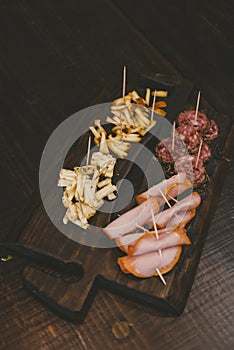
[(124, 241), (188, 203), (148, 242), (145, 265), (181, 219), (173, 186), (128, 221)]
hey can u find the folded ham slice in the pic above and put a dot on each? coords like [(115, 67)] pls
[(124, 241), (186, 204), (181, 219), (145, 265), (148, 242), (173, 186), (128, 221)]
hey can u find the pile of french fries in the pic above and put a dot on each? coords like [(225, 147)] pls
[(131, 120), (86, 187)]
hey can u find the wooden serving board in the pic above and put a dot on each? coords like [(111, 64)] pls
[(66, 274)]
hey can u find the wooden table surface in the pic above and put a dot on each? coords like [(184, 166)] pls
[(58, 57)]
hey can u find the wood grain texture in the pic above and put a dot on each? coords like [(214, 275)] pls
[(45, 48), (197, 35)]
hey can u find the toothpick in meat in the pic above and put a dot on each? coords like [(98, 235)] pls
[(161, 276), (155, 227), (198, 155), (197, 106), (160, 252), (142, 228), (175, 200), (165, 198), (173, 137)]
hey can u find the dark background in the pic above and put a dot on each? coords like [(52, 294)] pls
[(57, 57)]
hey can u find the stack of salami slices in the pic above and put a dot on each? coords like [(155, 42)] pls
[(192, 138)]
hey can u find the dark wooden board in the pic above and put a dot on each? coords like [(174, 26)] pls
[(43, 79), (67, 274)]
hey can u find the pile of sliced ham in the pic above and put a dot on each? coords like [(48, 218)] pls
[(153, 243)]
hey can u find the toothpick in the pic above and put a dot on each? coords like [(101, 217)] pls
[(173, 136), (142, 228), (124, 81), (165, 198), (155, 230), (175, 200), (199, 151), (121, 126), (160, 252), (197, 106), (155, 227), (161, 276), (152, 112), (88, 151)]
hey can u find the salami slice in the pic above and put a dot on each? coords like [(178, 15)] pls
[(188, 118), (195, 173), (189, 135), (211, 133), (205, 153), (166, 153)]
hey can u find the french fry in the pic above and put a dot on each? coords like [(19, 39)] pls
[(160, 93), (94, 132), (160, 112), (147, 96), (160, 104)]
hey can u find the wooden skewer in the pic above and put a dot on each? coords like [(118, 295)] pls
[(160, 252), (175, 200), (152, 112), (142, 228), (88, 151), (165, 198), (156, 231), (161, 276), (155, 227), (199, 151), (121, 127), (173, 137), (197, 106), (124, 81)]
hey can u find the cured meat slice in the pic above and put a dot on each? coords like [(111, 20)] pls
[(188, 118), (167, 152), (211, 133), (189, 135), (187, 204), (195, 170), (128, 221), (173, 186), (124, 241), (149, 242), (145, 265), (205, 153), (181, 219)]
